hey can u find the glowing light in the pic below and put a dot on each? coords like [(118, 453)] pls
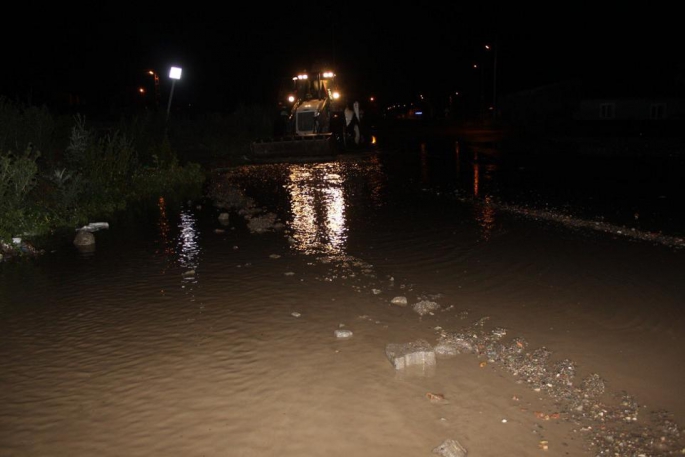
[(175, 73), (336, 95), (291, 98)]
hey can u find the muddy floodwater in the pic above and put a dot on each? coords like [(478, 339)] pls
[(183, 334)]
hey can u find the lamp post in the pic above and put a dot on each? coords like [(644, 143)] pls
[(494, 78), (174, 75), (155, 78), (480, 105)]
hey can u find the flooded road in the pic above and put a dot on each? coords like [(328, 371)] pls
[(184, 336)]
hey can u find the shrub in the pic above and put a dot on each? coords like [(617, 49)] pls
[(17, 179)]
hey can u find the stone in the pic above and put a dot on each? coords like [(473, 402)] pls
[(450, 448), (401, 301), (84, 238), (425, 307), (343, 334), (415, 353)]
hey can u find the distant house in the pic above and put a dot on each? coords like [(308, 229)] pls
[(596, 108)]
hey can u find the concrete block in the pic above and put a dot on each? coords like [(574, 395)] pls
[(415, 353)]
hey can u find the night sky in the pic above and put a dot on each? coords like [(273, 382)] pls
[(243, 55)]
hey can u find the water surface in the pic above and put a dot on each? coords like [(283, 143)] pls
[(176, 336)]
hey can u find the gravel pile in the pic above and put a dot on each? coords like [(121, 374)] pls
[(613, 426)]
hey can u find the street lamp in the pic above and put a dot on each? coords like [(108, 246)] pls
[(155, 78), (494, 78), (174, 74)]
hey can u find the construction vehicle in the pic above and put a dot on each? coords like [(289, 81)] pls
[(311, 122)]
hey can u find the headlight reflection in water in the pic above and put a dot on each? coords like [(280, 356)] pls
[(318, 203)]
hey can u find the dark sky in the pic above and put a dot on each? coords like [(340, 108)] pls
[(232, 55)]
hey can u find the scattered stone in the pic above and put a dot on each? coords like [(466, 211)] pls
[(275, 256), (289, 273), (450, 448), (295, 314), (436, 398), (188, 273), (223, 218), (84, 238), (95, 226), (342, 334), (445, 350), (418, 352), (261, 224), (376, 291), (400, 300), (425, 307)]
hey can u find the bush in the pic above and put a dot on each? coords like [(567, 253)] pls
[(21, 126), (98, 176), (17, 180)]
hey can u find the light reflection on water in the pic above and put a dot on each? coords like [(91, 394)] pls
[(188, 241), (166, 248), (109, 367), (317, 199)]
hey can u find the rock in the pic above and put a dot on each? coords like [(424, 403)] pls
[(84, 238), (262, 223), (402, 301), (450, 448), (446, 350), (343, 334), (223, 218), (418, 352), (424, 307)]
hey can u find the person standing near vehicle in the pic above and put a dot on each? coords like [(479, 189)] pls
[(352, 121)]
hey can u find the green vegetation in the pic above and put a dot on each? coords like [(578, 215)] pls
[(62, 173)]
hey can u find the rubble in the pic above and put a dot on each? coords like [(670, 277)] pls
[(425, 307), (450, 448), (415, 353), (614, 424)]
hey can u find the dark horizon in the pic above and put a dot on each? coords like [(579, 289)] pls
[(394, 55)]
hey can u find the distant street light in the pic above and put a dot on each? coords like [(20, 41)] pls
[(174, 74), (155, 78), (494, 78)]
